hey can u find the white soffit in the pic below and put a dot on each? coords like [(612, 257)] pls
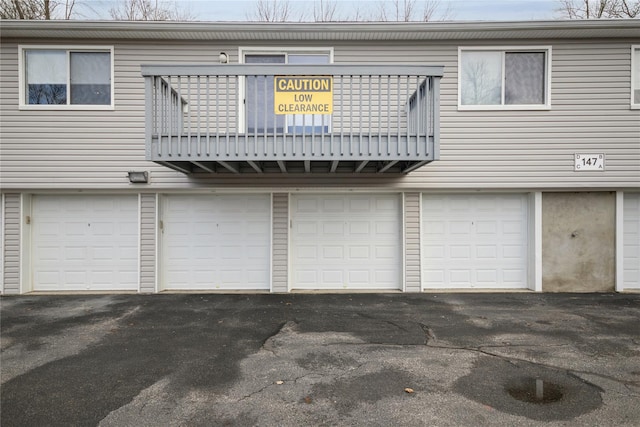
[(347, 31)]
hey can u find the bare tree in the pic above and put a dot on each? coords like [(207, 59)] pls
[(413, 10), (324, 11), (328, 10), (596, 9), (149, 10), (397, 10), (271, 11), (37, 9), (434, 10)]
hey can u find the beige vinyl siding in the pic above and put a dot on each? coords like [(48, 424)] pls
[(491, 150), (11, 246), (280, 239), (412, 242), (148, 226)]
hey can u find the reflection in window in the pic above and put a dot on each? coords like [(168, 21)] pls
[(63, 77), (260, 100), (503, 78), (46, 76), (481, 79)]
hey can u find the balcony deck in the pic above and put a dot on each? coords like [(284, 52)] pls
[(220, 119)]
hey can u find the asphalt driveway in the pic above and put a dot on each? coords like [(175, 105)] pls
[(303, 359)]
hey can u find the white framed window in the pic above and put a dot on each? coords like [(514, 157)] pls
[(66, 77), (504, 78), (635, 76), (258, 94)]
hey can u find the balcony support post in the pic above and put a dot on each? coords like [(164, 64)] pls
[(255, 166), (176, 167), (283, 166), (229, 167), (334, 166), (203, 166), (361, 166), (387, 166), (414, 166)]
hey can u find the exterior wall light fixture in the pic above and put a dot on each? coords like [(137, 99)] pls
[(224, 58), (138, 177)]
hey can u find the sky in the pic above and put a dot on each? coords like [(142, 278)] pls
[(461, 10)]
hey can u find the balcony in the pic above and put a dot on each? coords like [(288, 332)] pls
[(260, 119)]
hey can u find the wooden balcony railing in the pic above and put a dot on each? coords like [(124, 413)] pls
[(292, 118)]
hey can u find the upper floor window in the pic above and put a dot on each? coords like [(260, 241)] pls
[(494, 78), (635, 76), (259, 95), (76, 77)]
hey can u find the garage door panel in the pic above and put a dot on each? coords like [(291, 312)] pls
[(386, 276), (333, 204), (486, 252), (460, 277), (356, 241), (306, 253), (306, 276), (305, 205), (471, 240), (306, 228), (216, 241), (358, 253), (486, 227), (333, 277), (388, 228), (383, 253), (487, 276), (459, 228), (334, 252), (361, 277), (513, 228), (434, 276), (513, 276), (360, 227), (434, 227), (434, 252), (459, 253), (515, 253), (104, 254), (333, 227), (362, 205)]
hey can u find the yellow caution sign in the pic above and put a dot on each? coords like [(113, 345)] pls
[(303, 94)]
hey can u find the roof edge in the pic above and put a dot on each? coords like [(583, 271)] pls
[(200, 29)]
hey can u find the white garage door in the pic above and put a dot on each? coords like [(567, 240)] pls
[(216, 242), (474, 241), (85, 243), (631, 239), (346, 241)]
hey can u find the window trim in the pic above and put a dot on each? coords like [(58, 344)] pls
[(635, 62), (23, 105), (268, 50), (507, 107)]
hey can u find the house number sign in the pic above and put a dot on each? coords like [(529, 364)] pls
[(588, 162)]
